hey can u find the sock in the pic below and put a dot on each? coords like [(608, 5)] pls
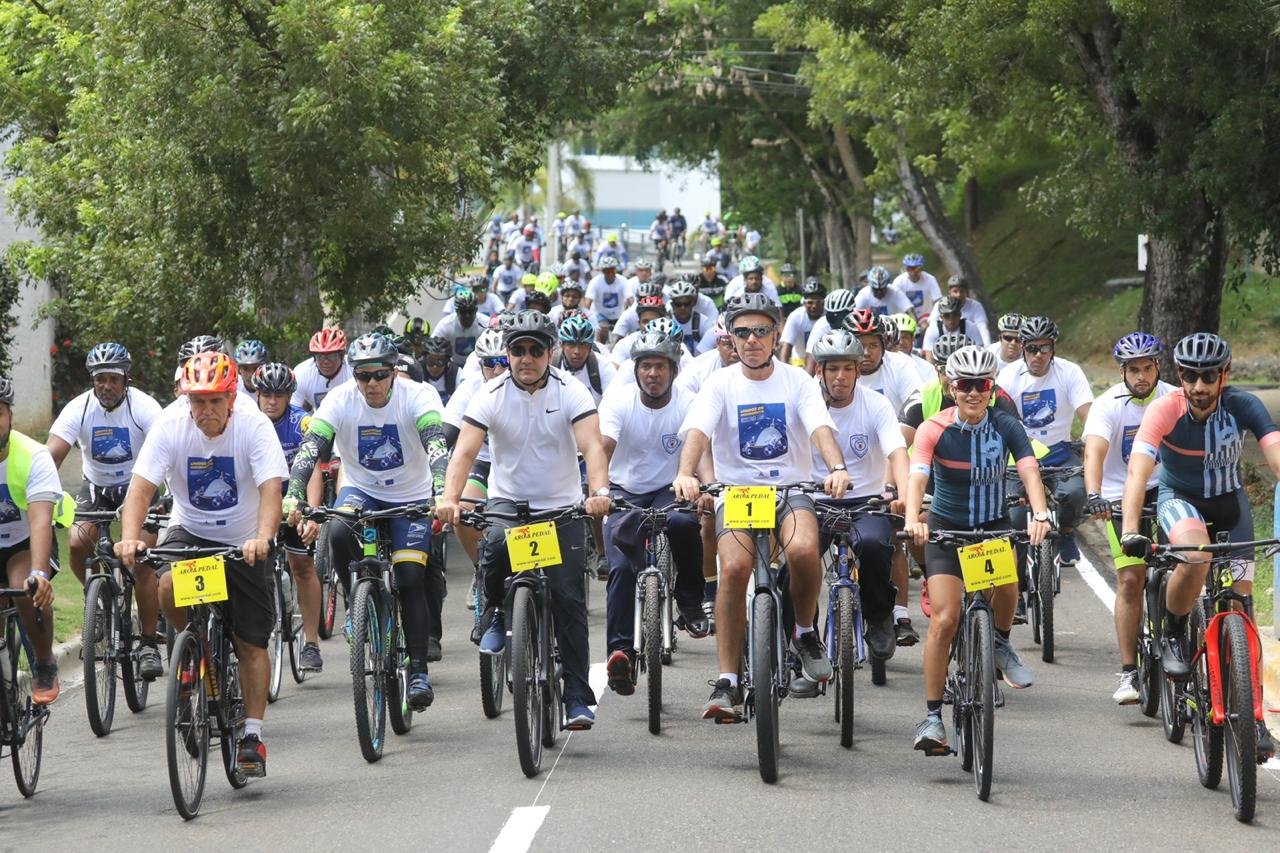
[(900, 612), (1129, 667), (731, 677), (1004, 634), (935, 707), (253, 727), (800, 632), (1175, 625)]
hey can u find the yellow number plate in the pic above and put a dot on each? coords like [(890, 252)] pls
[(988, 564), (533, 546), (200, 581), (750, 507)]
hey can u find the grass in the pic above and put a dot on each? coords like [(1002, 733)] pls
[(1261, 487), (68, 596)]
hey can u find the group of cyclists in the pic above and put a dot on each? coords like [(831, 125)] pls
[(579, 385)]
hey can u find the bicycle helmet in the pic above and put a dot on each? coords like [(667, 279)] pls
[(437, 346), (559, 270), (528, 280), (373, 348), (1038, 327), (502, 320), (660, 279), (948, 305), (863, 322), (252, 352), (646, 289), (416, 328), (531, 324), (538, 301), (878, 277), (837, 344), (403, 345), (644, 264), (947, 344), (608, 262), (972, 362), (1010, 322), (327, 341), (787, 269), (1137, 345), (957, 281), (577, 330), (489, 344), (655, 343), (546, 283), (913, 260), (210, 372), (197, 345), (275, 378), (888, 328), (812, 287), (749, 264), (1202, 351), (750, 303), (682, 290), (651, 303), (384, 330), (836, 307), (6, 391), (108, 357), (464, 300), (906, 324), (572, 284), (666, 326)]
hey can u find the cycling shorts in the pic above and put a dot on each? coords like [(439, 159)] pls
[(251, 606), (945, 560), (1146, 527), (291, 541), (1197, 519), (787, 503), (105, 498), (410, 538), (9, 552)]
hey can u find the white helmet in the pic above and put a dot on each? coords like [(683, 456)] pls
[(972, 362)]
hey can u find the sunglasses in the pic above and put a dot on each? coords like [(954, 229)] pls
[(968, 386), (1009, 339), (438, 362), (495, 361), (376, 376), (534, 350), (1036, 349), (742, 333), (328, 356), (1208, 377)]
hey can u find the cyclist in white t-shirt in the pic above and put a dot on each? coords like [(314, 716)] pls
[(1008, 345), (836, 308), (891, 373), (919, 286), (881, 296), (975, 316), (325, 370), (795, 332), (606, 294)]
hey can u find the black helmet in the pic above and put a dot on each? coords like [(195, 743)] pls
[(813, 287), (463, 299), (531, 324), (788, 269), (275, 378), (403, 345), (750, 303), (536, 299), (197, 345), (108, 357), (416, 329), (1037, 327), (6, 390), (372, 348), (437, 346), (1202, 351), (948, 305)]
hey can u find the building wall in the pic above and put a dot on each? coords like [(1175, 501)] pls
[(627, 192)]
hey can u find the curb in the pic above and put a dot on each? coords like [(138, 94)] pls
[(70, 667)]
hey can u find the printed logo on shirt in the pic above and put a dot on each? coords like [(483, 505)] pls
[(1126, 442), (859, 444), (319, 395), (1039, 407), (609, 300), (916, 297), (378, 447), (110, 444), (762, 431), (880, 310), (8, 509), (671, 443), (211, 483)]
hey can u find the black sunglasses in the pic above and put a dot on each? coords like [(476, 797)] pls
[(742, 333), (968, 386), (495, 361), (1036, 349), (1009, 339), (1208, 377), (535, 350), (376, 376)]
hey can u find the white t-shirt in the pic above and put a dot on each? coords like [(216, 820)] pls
[(738, 286), (42, 485), (506, 279), (607, 299), (935, 331), (607, 374), (760, 430), (922, 294), (924, 368), (894, 301), (867, 431), (649, 440), (381, 453), (1047, 404), (490, 306), (535, 452), (214, 481), (464, 340), (109, 441), (312, 386), (796, 331), (1115, 416), (996, 348), (820, 328), (975, 321), (457, 405), (702, 366), (897, 379)]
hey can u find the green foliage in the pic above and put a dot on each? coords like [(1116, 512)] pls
[(9, 298)]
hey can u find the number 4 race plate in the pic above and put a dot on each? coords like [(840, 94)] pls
[(200, 581), (750, 507), (988, 564), (533, 546)]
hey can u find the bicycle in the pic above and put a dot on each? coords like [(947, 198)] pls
[(1151, 682), (971, 671), (532, 656), (1222, 698), (1044, 575), (204, 700), (331, 581), (379, 655), (21, 719), (112, 636), (287, 630)]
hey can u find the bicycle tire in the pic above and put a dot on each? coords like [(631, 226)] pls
[(27, 756), (1148, 674), (397, 674), (136, 688), (846, 663), (961, 718), (1206, 738), (100, 637), (1171, 716), (1240, 731), (231, 722), (651, 648), (295, 639), (552, 699), (493, 687), (526, 697), (328, 582), (1045, 585), (764, 636), (187, 740), (367, 681), (983, 673), (275, 642)]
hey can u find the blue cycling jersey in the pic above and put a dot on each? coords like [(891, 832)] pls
[(968, 463)]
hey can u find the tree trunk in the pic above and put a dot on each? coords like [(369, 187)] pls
[(842, 262), (861, 197), (816, 237), (970, 208)]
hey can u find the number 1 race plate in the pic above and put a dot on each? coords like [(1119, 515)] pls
[(533, 546), (200, 581), (988, 564), (750, 507)]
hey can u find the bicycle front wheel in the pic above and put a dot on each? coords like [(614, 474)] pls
[(1240, 726), (1148, 674), (101, 635), (1175, 723), (764, 655), (846, 662), (186, 717), (328, 581), (29, 723), (275, 642), (1206, 738), (651, 621), (368, 681), (136, 688), (397, 669), (526, 691), (1046, 583), (982, 672), (493, 683)]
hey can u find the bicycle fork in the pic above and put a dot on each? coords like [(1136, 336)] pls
[(1213, 659)]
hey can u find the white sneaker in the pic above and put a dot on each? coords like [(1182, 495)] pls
[(1127, 692), (471, 595)]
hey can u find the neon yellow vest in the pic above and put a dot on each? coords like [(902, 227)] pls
[(21, 452)]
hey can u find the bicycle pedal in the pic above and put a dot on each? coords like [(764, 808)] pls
[(999, 698)]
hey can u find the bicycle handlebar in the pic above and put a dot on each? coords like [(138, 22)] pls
[(1222, 549), (951, 537), (29, 589), (169, 555), (481, 518), (808, 487), (324, 513)]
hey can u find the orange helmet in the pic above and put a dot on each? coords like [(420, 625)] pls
[(328, 340), (210, 373)]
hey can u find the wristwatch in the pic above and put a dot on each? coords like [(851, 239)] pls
[(836, 468), (602, 492), (1041, 516)]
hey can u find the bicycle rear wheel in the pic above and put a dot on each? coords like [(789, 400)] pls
[(1148, 674), (982, 673), (397, 669), (328, 581), (29, 723), (275, 642), (101, 636), (1171, 715), (230, 720), (526, 691), (368, 680), (1206, 738), (293, 633), (764, 638), (1046, 583), (846, 662), (186, 717), (136, 688), (1240, 727), (651, 650), (493, 683)]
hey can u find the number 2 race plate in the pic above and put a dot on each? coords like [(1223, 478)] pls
[(750, 507), (988, 564), (533, 546), (199, 581)]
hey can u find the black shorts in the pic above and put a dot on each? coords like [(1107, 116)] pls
[(942, 560), (10, 551), (250, 608), (106, 498), (291, 541)]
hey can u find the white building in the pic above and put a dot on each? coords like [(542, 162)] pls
[(626, 192)]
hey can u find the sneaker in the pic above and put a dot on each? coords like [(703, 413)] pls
[(1020, 612), (149, 664), (45, 687), (310, 660), (905, 634), (1011, 668), (1068, 550), (495, 636), (251, 757), (725, 704), (925, 607), (420, 695), (471, 595), (1266, 747), (695, 622), (1127, 692), (1173, 660), (620, 668), (602, 574), (931, 737), (802, 688), (709, 610), (578, 716), (814, 664), (434, 652), (881, 636)]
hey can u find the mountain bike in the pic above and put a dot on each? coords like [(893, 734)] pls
[(1043, 574), (332, 581), (1151, 680), (21, 719), (286, 633)]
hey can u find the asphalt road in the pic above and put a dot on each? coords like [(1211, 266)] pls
[(1071, 769)]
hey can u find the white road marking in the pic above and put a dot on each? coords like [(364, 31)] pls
[(517, 833), (1096, 583), (598, 678)]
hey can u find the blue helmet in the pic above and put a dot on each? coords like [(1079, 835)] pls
[(666, 326), (576, 330), (913, 260), (252, 352), (1137, 345)]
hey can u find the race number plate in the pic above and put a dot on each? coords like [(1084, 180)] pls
[(533, 546), (199, 581), (750, 507), (988, 564)]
